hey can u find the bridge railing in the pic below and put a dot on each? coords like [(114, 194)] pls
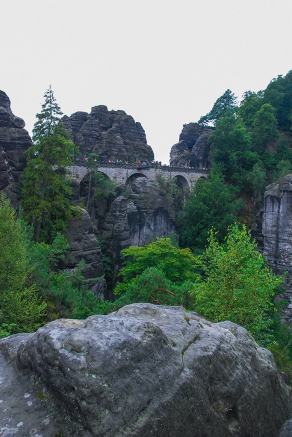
[(162, 167)]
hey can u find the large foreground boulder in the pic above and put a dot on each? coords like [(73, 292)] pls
[(145, 370)]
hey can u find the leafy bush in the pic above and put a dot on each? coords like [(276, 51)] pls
[(21, 308), (153, 286), (212, 203), (178, 265), (237, 285)]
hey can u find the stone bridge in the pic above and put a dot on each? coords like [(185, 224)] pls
[(123, 173)]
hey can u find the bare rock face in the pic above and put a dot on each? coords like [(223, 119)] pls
[(286, 430), (85, 246), (277, 233), (146, 371), (137, 217), (14, 141), (193, 147), (112, 135)]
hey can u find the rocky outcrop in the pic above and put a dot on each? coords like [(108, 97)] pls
[(14, 141), (84, 246), (286, 430), (145, 370), (277, 234), (139, 215), (193, 148), (112, 135)]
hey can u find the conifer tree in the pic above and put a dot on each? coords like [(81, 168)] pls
[(224, 105), (48, 118), (46, 190)]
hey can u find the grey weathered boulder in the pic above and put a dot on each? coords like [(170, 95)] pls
[(193, 148), (277, 233), (146, 371), (14, 141), (112, 135)]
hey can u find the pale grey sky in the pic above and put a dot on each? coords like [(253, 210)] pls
[(163, 61)]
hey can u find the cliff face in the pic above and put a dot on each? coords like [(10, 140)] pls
[(193, 147), (144, 370), (84, 246), (277, 233), (14, 141), (139, 215), (112, 135)]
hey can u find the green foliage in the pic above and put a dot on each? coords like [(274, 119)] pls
[(65, 291), (256, 180), (21, 308), (232, 150), (49, 117), (279, 95), (46, 191), (104, 187), (212, 203), (179, 265), (224, 105), (237, 284), (153, 286), (170, 190), (281, 345), (264, 127), (252, 143), (13, 261), (249, 106)]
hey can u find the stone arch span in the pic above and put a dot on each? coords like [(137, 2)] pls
[(132, 178), (121, 174), (182, 182), (89, 179)]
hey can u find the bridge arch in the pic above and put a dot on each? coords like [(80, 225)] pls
[(132, 178), (182, 182), (124, 174)]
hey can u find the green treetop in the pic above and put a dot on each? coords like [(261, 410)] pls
[(264, 127), (177, 264), (48, 118), (238, 286), (223, 105), (21, 309), (211, 203), (46, 191)]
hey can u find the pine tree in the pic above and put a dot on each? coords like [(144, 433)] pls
[(224, 105), (48, 118), (46, 190)]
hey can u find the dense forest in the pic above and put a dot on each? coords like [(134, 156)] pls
[(212, 265)]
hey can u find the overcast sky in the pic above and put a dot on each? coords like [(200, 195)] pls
[(163, 61)]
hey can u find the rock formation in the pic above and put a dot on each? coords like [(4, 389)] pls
[(139, 215), (277, 233), (84, 247), (145, 370), (112, 135), (193, 147), (286, 430), (14, 141)]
